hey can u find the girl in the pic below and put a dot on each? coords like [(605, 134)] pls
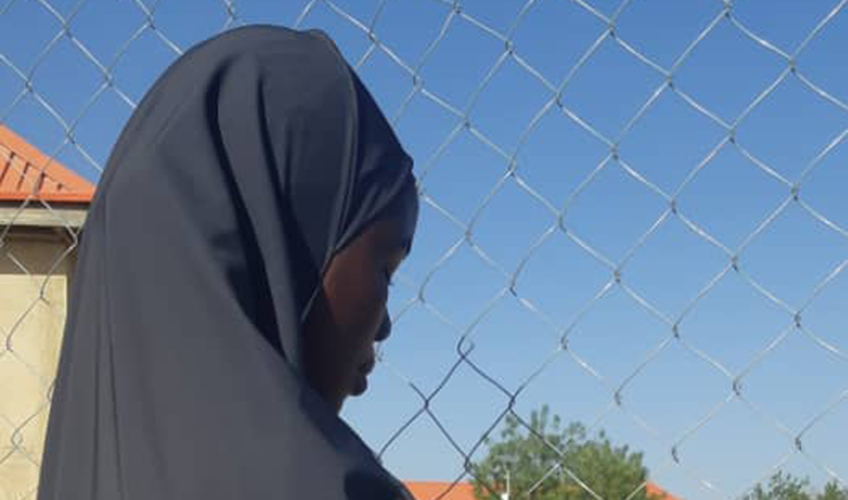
[(231, 283)]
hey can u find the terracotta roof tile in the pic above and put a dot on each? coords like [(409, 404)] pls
[(25, 171), (659, 493), (431, 490)]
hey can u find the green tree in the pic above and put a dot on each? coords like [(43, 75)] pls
[(832, 491), (784, 486), (612, 472)]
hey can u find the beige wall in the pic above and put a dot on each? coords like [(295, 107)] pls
[(34, 276)]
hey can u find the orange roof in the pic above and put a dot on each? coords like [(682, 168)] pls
[(25, 171), (431, 490), (655, 491)]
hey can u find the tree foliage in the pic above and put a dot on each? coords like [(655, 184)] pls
[(783, 486), (565, 456)]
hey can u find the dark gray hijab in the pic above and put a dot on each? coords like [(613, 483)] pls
[(251, 161)]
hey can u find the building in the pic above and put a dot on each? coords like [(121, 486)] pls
[(432, 490), (42, 206)]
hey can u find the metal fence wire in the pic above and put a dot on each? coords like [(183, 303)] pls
[(110, 62)]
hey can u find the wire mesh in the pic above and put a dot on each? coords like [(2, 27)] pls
[(65, 129)]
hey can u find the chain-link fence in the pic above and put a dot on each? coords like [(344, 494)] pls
[(633, 211)]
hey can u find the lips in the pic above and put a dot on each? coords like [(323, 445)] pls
[(368, 366)]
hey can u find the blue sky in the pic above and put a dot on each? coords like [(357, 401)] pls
[(619, 336)]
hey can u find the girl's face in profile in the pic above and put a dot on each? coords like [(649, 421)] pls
[(349, 314)]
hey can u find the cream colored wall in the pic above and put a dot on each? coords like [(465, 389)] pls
[(34, 278)]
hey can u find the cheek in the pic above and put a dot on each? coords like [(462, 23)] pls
[(370, 296), (359, 301)]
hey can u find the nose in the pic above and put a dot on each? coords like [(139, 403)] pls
[(385, 328)]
